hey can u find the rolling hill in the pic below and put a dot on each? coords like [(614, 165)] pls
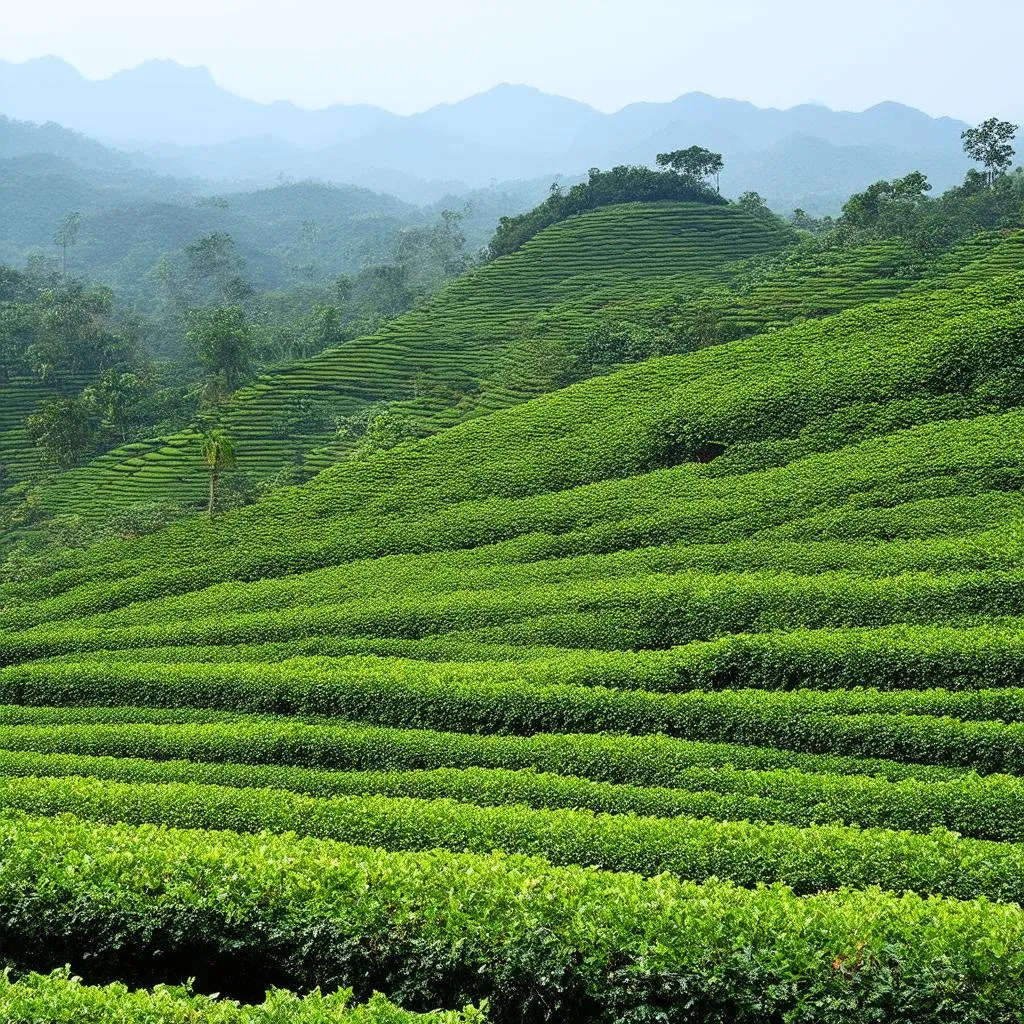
[(622, 701), (469, 350), (501, 335)]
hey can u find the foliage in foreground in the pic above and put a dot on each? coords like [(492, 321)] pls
[(61, 998), (448, 929), (810, 859)]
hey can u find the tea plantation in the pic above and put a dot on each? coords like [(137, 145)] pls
[(457, 357), (688, 692)]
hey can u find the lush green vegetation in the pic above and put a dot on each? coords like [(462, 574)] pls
[(59, 997), (496, 337), (607, 188), (538, 940), (666, 667)]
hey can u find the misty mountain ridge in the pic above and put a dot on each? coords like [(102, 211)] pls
[(177, 120)]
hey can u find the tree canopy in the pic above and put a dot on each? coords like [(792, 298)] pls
[(989, 145), (695, 163)]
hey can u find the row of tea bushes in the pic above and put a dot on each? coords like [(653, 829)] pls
[(60, 998), (635, 760), (983, 807), (443, 929), (756, 718), (812, 859)]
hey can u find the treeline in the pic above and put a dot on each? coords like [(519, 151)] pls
[(987, 199), (903, 209), (602, 188)]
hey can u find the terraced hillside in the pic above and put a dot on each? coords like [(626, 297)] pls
[(446, 359), (18, 398), (689, 692), (492, 339)]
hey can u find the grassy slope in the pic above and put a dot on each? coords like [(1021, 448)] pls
[(850, 428), (458, 344), (790, 660)]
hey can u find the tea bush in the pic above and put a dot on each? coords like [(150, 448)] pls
[(445, 929)]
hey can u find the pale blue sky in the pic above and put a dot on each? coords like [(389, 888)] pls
[(958, 57)]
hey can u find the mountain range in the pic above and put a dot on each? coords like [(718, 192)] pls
[(178, 120)]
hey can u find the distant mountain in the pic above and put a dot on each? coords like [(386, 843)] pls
[(131, 217), (21, 138), (164, 102), (179, 120), (513, 117)]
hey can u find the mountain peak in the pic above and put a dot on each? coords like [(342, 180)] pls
[(512, 95), (48, 68), (162, 71)]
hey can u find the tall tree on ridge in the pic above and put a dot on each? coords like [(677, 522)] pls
[(696, 163), (989, 145)]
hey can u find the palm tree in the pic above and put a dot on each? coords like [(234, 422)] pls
[(218, 454)]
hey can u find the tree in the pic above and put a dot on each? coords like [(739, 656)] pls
[(803, 221), (989, 145), (432, 255), (756, 205), (73, 332), (116, 397), (752, 202), (214, 266), (64, 430), (343, 287), (910, 189), (66, 235), (218, 454), (696, 163), (221, 339), (888, 207), (387, 290)]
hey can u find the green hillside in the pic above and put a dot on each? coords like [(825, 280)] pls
[(689, 691), (506, 333), (18, 398), (468, 351)]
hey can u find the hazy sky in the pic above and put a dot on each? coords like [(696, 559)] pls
[(958, 57)]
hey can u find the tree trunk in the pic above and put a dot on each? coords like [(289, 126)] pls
[(213, 492)]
